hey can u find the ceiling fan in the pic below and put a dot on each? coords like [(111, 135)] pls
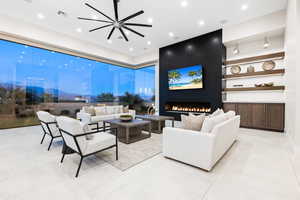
[(116, 23)]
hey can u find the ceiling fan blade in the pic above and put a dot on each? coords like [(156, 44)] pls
[(100, 27), (116, 9), (99, 11), (96, 20), (122, 32), (132, 16), (133, 24), (111, 32), (134, 31)]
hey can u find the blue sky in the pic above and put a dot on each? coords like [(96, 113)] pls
[(29, 66), (185, 78)]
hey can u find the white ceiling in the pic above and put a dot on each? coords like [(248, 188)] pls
[(168, 16)]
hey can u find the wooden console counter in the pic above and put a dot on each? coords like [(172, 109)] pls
[(266, 116)]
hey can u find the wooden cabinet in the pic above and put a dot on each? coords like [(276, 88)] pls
[(267, 116), (275, 117), (245, 111), (258, 115)]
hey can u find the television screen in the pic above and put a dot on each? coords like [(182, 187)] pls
[(186, 78)]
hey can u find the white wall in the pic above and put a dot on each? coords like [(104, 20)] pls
[(255, 48), (258, 26), (292, 73)]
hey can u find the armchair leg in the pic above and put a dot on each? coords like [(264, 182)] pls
[(81, 158), (62, 159), (117, 153), (50, 144), (43, 138)]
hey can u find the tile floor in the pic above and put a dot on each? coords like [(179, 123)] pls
[(257, 167)]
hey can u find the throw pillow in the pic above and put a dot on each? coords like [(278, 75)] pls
[(208, 125), (230, 114), (126, 109), (192, 122), (217, 112), (210, 122), (100, 110), (90, 110), (185, 122)]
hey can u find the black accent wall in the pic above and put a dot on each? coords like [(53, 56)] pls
[(206, 50)]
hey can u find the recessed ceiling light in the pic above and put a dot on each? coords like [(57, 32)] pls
[(150, 20), (130, 49), (171, 34), (40, 16), (149, 42), (79, 30), (109, 41), (201, 23), (244, 7), (184, 3)]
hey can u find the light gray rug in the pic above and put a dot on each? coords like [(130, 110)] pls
[(133, 154)]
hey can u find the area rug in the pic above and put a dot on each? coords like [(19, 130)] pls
[(133, 154)]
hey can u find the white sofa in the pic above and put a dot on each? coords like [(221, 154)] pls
[(107, 113), (200, 149)]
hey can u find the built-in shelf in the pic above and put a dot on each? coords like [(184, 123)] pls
[(255, 74), (256, 59), (253, 88)]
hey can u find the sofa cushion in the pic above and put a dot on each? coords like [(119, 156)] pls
[(210, 122), (100, 110), (217, 112), (192, 122), (110, 110)]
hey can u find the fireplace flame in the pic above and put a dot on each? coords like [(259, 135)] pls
[(191, 109)]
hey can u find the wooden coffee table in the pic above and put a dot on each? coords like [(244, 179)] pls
[(129, 132), (157, 121)]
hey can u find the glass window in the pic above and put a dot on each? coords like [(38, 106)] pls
[(33, 79)]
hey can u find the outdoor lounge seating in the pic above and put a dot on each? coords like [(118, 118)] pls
[(75, 135)]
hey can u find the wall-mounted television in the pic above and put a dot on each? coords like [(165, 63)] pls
[(186, 78)]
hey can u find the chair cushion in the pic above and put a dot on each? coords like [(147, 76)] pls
[(99, 142)]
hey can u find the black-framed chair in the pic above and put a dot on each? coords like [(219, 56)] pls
[(49, 126), (76, 138)]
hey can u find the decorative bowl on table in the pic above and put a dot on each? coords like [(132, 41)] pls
[(126, 118)]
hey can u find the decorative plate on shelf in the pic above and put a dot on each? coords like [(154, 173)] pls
[(268, 65), (235, 69)]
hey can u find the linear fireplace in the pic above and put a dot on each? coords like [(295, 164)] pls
[(188, 107)]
